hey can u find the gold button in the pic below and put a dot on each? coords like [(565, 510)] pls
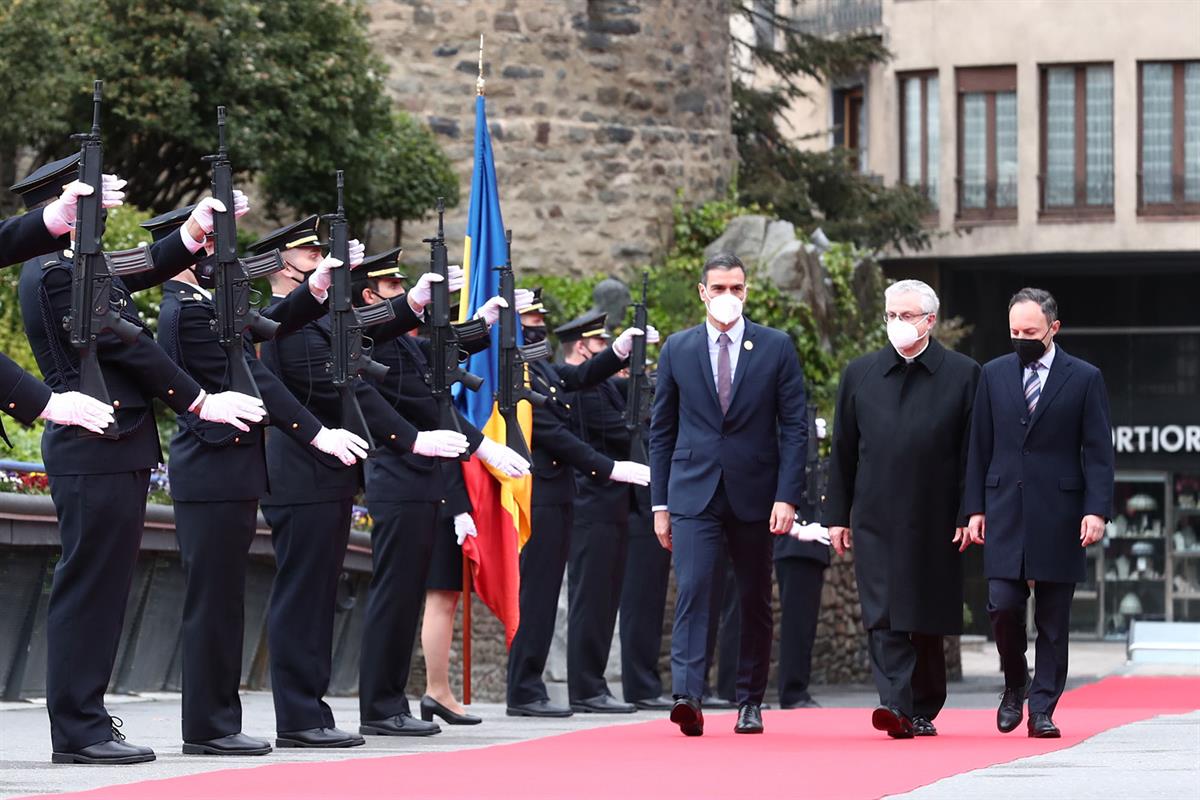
[(593, 473), (295, 425), (392, 437), (568, 405), (553, 388), (237, 439), (170, 392), (12, 405), (116, 403), (443, 501)]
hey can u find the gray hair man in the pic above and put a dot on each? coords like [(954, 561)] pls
[(899, 449)]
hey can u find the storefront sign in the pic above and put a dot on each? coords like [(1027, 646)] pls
[(1156, 438)]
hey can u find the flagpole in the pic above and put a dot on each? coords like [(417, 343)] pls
[(466, 563)]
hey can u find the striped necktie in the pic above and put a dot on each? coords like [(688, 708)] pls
[(1033, 386)]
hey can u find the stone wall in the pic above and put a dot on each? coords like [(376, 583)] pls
[(599, 111)]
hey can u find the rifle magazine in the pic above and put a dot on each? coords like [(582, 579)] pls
[(129, 262), (375, 314), (263, 264)]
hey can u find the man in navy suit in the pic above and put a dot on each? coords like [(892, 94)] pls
[(1039, 487), (727, 444)]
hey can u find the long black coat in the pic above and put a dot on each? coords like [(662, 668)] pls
[(896, 476)]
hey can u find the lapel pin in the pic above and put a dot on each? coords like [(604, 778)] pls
[(749, 345)]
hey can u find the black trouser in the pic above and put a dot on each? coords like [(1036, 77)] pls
[(909, 671), (800, 583), (1052, 617), (697, 546), (596, 569), (542, 563), (401, 546), (724, 631), (643, 606), (310, 548), (100, 520), (214, 546)]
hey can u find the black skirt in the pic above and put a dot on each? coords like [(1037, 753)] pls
[(445, 564)]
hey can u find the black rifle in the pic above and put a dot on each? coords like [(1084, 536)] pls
[(232, 287), (512, 360), (637, 392), (445, 349), (94, 309), (351, 357)]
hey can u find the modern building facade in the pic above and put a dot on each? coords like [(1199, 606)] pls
[(1059, 142)]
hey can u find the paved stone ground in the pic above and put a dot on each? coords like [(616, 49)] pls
[(1151, 759)]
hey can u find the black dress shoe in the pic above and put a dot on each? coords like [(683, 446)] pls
[(923, 726), (431, 708), (1042, 727), (603, 704), (891, 720), (804, 702), (660, 703), (1012, 708), (716, 703), (318, 737), (749, 719), (403, 724), (540, 708), (113, 751), (686, 713), (235, 744)]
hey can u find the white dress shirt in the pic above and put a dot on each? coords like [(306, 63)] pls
[(735, 335), (1044, 372)]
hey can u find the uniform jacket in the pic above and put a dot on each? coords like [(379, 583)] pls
[(393, 476), (598, 416), (1034, 477), (896, 477), (212, 461), (557, 452), (134, 373), (297, 473), (757, 448)]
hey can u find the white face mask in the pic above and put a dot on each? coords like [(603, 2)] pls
[(725, 308), (903, 334)]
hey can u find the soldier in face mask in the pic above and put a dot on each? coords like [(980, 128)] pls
[(896, 474)]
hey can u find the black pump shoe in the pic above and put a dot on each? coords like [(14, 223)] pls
[(431, 708)]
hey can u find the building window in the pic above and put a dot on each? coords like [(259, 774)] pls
[(850, 122), (987, 143), (1077, 140), (1169, 137), (919, 138)]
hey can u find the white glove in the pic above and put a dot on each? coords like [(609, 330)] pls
[(630, 472), (357, 251), (822, 427), (59, 216), (490, 311), (522, 298), (77, 408), (340, 443), (624, 343), (464, 526), (422, 293), (230, 408), (440, 444), (812, 532), (202, 214), (503, 458), (322, 277)]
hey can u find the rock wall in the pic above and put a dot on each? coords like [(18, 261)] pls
[(599, 111)]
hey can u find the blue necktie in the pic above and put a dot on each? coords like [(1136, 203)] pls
[(1033, 386)]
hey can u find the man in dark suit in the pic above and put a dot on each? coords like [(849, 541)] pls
[(99, 486), (217, 474), (1039, 489), (727, 444), (557, 455), (311, 499)]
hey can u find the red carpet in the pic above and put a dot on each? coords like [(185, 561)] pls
[(821, 753)]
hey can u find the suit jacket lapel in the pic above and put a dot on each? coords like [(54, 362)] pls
[(1059, 373), (706, 370), (1016, 385), (744, 357)]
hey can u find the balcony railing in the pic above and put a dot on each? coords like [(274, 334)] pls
[(1175, 188), (1071, 199), (839, 17), (986, 201)]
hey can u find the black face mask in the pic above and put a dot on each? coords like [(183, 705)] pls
[(1028, 350), (534, 333), (205, 271)]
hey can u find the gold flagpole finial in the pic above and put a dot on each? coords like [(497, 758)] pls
[(479, 80)]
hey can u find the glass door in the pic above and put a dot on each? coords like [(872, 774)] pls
[(1135, 552), (1184, 548)]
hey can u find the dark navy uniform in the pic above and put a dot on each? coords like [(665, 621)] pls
[(643, 604), (557, 454), (218, 473), (98, 485), (800, 570), (309, 508)]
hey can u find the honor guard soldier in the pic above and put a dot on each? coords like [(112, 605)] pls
[(22, 396), (413, 500), (217, 475), (601, 532), (99, 483), (557, 454), (311, 498)]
